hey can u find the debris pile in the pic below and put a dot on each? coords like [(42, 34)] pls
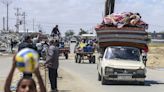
[(5, 40)]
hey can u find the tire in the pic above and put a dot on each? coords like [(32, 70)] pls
[(93, 59), (90, 61), (66, 55), (99, 77), (78, 58), (103, 80), (142, 83), (75, 58)]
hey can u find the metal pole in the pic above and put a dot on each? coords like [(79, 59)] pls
[(24, 22), (33, 25), (7, 16), (17, 21), (3, 23)]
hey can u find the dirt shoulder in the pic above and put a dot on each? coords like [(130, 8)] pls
[(156, 57)]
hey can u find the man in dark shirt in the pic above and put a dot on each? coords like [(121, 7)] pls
[(27, 43), (55, 31)]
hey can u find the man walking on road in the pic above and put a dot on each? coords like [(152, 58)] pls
[(52, 63)]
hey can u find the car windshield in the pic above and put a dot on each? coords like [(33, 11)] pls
[(125, 53)]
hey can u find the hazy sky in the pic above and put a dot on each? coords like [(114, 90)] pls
[(76, 14)]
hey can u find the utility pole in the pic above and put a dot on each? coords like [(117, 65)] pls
[(33, 25), (7, 17), (24, 22), (7, 3), (3, 23), (17, 19)]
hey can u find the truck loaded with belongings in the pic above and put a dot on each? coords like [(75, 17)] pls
[(122, 29)]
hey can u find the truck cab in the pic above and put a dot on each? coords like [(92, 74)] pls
[(121, 63)]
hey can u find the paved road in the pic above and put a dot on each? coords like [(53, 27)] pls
[(87, 72), (84, 77)]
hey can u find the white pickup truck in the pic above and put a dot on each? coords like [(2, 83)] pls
[(121, 63)]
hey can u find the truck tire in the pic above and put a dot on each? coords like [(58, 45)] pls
[(90, 61), (93, 59), (75, 58), (103, 80), (78, 58), (66, 55), (142, 83), (99, 77)]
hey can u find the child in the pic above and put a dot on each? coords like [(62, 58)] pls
[(25, 84)]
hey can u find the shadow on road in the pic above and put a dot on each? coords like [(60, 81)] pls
[(64, 90), (85, 62), (152, 82), (147, 83)]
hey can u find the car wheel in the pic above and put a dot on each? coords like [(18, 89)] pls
[(103, 81), (99, 77), (142, 83)]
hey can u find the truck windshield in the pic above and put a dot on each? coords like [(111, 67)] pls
[(125, 53)]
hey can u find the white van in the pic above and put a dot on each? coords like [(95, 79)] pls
[(120, 63)]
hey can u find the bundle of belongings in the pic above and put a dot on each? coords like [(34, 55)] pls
[(124, 19), (122, 29)]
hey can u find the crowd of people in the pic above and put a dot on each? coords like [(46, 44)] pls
[(51, 51)]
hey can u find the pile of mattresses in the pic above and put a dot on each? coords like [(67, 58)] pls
[(123, 29), (125, 36), (124, 19)]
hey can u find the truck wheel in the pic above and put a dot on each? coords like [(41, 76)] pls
[(99, 77), (66, 56), (103, 80), (79, 59), (75, 58), (90, 60), (142, 83), (93, 59)]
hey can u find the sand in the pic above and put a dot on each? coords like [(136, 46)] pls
[(156, 57)]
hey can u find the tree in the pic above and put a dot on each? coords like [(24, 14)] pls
[(69, 33), (82, 31)]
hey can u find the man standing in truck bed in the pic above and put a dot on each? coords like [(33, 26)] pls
[(55, 31)]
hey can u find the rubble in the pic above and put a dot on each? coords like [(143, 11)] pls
[(5, 40)]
